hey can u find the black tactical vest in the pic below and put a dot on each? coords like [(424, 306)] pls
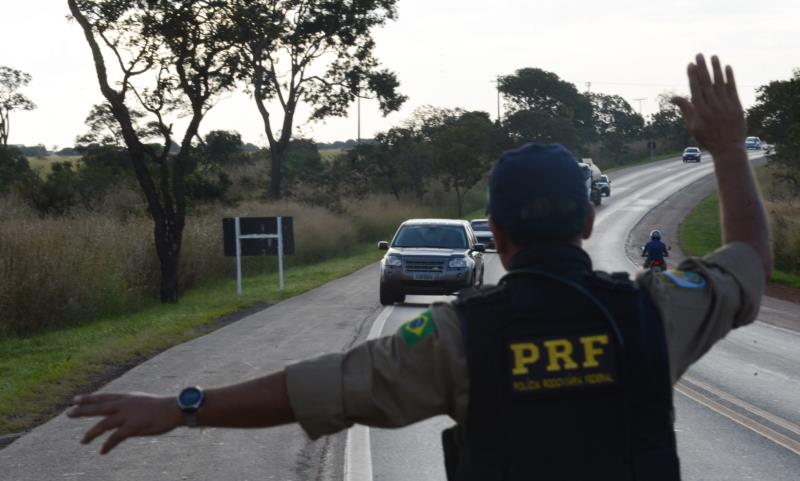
[(569, 380)]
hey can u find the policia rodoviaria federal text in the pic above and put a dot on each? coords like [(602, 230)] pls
[(559, 372)]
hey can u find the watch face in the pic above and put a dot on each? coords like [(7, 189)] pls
[(190, 396)]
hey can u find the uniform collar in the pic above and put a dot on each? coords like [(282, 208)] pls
[(564, 259)]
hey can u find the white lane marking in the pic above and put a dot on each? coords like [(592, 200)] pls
[(357, 449)]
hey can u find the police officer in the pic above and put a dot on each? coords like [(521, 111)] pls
[(559, 372)]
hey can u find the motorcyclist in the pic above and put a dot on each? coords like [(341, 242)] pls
[(655, 250)]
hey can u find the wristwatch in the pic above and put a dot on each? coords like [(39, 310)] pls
[(189, 400)]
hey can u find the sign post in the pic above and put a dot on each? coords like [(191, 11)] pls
[(258, 236)]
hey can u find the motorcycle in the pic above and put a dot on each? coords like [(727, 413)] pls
[(656, 265)]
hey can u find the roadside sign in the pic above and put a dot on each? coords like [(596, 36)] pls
[(257, 236)]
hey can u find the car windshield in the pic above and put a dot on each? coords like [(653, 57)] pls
[(480, 225), (431, 235), (694, 150), (604, 178)]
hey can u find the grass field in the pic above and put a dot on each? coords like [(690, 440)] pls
[(41, 372), (701, 234), (329, 154), (42, 165)]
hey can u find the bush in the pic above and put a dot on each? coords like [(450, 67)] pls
[(14, 169)]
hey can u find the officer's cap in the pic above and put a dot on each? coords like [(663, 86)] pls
[(537, 193)]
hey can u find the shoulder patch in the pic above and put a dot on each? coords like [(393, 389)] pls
[(418, 328), (685, 279)]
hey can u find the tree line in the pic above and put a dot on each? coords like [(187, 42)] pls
[(156, 60)]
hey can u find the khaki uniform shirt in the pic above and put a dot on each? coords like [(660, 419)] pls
[(394, 381)]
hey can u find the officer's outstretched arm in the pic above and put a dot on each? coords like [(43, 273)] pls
[(261, 402), (714, 116)]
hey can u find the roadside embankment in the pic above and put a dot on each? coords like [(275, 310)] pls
[(689, 221)]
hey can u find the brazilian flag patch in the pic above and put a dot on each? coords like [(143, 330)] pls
[(685, 279), (418, 329)]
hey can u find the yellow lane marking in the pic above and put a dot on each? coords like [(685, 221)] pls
[(751, 424), (778, 421)]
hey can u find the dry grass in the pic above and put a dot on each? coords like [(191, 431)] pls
[(42, 165), (63, 271), (785, 224)]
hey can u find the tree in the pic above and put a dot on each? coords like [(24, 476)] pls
[(543, 108), (316, 52), (615, 123), (776, 118), (11, 80), (667, 124), (105, 130), (462, 147), (223, 146), (185, 51), (14, 169)]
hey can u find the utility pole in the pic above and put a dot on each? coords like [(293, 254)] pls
[(640, 104), (497, 86), (358, 137)]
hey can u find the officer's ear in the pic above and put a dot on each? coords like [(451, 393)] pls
[(503, 244), (587, 229)]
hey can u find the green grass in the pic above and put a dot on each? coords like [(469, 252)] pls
[(40, 373), (701, 234)]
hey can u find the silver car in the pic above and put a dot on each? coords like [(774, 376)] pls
[(481, 229), (430, 256)]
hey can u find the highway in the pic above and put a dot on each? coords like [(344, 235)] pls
[(737, 415), (737, 410)]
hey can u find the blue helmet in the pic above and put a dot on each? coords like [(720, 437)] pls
[(655, 234)]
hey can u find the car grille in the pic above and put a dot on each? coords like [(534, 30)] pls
[(420, 265)]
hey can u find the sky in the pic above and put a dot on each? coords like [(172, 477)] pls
[(447, 53)]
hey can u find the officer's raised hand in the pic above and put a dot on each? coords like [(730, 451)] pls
[(714, 114)]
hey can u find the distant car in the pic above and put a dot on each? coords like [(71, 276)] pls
[(752, 143), (605, 185), (692, 154), (430, 256), (481, 229)]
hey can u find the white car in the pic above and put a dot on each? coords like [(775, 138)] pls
[(481, 229)]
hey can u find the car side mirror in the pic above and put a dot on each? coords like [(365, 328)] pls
[(383, 245), (669, 248), (479, 248)]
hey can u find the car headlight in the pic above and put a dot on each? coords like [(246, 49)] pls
[(458, 262), (393, 261)]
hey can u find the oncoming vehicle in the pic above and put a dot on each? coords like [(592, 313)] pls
[(692, 154), (605, 185), (591, 186), (752, 143), (430, 256), (481, 229)]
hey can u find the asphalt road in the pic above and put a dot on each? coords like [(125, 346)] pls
[(737, 415)]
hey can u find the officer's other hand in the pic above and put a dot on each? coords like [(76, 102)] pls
[(714, 115), (126, 415)]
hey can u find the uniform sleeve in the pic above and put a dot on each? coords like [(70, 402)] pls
[(392, 381), (704, 298)]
